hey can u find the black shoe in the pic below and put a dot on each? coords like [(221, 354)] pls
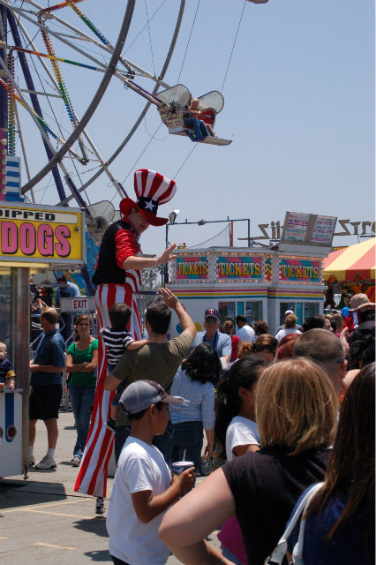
[(99, 506)]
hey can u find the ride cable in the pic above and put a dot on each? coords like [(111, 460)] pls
[(233, 45)]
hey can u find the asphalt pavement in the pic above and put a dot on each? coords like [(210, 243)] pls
[(44, 521)]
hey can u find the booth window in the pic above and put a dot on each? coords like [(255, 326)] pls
[(253, 311), (226, 311), (302, 310), (310, 309)]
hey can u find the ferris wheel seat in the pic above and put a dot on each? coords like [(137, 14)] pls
[(208, 140)]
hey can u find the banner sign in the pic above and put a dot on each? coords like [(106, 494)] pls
[(235, 268), (33, 234), (323, 230), (192, 268), (295, 226), (307, 229), (299, 270)]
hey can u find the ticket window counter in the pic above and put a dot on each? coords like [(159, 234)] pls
[(251, 309), (302, 310)]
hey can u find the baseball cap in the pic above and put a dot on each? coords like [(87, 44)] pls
[(211, 313), (289, 312), (141, 394)]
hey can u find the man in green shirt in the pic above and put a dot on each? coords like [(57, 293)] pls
[(158, 361)]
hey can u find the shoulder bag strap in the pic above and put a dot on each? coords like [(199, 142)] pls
[(280, 550), (297, 554)]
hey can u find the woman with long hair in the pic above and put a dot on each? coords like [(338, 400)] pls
[(81, 364), (296, 414), (340, 526), (195, 381), (236, 428)]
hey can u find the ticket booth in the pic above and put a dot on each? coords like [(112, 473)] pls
[(33, 239), (260, 284)]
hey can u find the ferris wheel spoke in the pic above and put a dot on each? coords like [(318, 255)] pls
[(53, 43), (58, 36), (146, 107), (39, 122), (40, 60), (94, 103)]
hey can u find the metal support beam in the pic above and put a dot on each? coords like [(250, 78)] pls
[(20, 340)]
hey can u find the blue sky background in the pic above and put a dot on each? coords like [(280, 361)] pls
[(299, 108)]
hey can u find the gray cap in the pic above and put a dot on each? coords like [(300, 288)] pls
[(141, 394), (289, 312)]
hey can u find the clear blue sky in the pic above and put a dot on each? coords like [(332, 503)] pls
[(299, 108)]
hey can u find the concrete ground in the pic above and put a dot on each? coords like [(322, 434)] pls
[(44, 521)]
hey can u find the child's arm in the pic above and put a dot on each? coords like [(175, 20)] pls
[(137, 344), (9, 383), (10, 376), (148, 506)]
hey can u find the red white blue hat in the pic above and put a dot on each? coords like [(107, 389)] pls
[(152, 189)]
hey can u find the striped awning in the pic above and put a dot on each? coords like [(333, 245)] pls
[(346, 264)]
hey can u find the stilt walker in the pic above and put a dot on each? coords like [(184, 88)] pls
[(118, 279)]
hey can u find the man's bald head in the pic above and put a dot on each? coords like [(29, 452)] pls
[(325, 349)]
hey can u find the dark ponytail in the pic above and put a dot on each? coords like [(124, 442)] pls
[(244, 373)]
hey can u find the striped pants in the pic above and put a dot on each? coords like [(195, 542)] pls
[(92, 476)]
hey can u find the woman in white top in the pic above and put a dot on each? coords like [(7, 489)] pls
[(236, 428), (290, 327)]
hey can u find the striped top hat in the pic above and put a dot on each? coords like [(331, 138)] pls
[(152, 189)]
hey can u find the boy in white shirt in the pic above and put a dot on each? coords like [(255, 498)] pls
[(143, 489)]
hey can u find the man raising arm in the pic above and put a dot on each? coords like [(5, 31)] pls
[(158, 360)]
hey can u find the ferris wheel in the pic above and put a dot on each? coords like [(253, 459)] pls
[(56, 67)]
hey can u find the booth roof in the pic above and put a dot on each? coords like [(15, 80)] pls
[(345, 264)]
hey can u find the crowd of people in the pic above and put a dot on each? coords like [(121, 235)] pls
[(285, 411)]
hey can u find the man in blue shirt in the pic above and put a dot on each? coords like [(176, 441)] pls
[(46, 382), (221, 342)]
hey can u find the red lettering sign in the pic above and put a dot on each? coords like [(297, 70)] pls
[(29, 240)]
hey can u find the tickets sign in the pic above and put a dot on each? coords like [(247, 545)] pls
[(192, 268), (299, 270), (39, 234), (232, 267)]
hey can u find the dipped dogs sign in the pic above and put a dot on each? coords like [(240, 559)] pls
[(34, 234)]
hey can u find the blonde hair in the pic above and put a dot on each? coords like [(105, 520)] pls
[(296, 406)]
